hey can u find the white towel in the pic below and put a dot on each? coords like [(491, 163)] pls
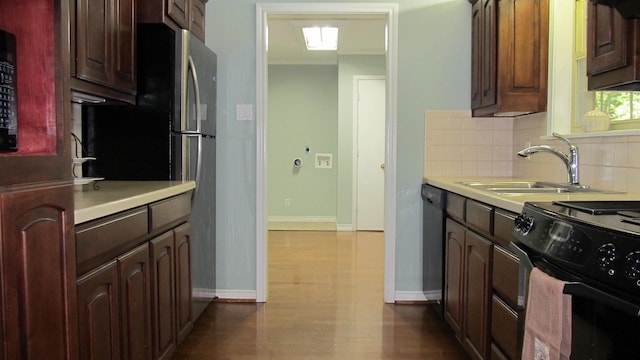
[(547, 329)]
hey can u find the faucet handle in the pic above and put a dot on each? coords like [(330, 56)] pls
[(555, 134)]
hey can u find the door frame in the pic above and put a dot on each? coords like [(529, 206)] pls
[(355, 182), (391, 12)]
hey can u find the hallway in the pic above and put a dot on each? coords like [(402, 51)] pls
[(325, 302)]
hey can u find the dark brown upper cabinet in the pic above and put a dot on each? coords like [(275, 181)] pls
[(103, 48), (177, 14), (613, 43), (509, 57)]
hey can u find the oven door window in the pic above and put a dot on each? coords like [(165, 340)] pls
[(602, 332)]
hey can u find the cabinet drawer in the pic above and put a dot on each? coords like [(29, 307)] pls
[(505, 275), (455, 206), (104, 239), (504, 328), (479, 217), (503, 224), (164, 214)]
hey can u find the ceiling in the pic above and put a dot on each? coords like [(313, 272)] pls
[(359, 35)]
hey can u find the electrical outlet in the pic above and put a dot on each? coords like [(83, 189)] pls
[(287, 202)]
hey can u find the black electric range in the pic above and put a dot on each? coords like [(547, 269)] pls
[(598, 242)]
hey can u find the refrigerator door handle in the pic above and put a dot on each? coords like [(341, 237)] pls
[(196, 85)]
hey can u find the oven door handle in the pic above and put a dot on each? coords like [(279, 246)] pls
[(588, 292)]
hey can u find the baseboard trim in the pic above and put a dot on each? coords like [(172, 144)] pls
[(312, 223), (345, 227), (231, 295), (205, 294), (418, 296), (243, 295)]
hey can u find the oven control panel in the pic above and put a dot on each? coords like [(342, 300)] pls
[(584, 249)]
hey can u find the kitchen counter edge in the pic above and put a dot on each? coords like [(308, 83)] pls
[(115, 196), (515, 202)]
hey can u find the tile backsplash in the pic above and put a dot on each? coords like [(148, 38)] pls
[(457, 144)]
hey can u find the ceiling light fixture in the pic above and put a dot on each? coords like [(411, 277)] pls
[(321, 38)]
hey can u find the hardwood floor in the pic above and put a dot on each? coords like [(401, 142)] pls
[(325, 302)]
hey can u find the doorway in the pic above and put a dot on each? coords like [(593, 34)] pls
[(391, 13)]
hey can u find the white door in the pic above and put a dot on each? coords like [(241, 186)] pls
[(370, 122)]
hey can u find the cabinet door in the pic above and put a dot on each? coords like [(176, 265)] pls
[(483, 52), (38, 294), (196, 22), (476, 59), (163, 296), (99, 314), (124, 48), (178, 10), (613, 43), (135, 301), (606, 37), (105, 41), (477, 295), (184, 320), (454, 272), (488, 52), (523, 55), (93, 40)]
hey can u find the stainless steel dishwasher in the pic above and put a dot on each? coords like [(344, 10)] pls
[(433, 221)]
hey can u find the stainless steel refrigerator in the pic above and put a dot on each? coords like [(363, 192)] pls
[(169, 134)]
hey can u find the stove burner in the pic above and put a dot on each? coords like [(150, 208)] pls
[(601, 207)]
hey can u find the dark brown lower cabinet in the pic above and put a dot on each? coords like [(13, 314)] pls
[(136, 304), (135, 296), (507, 329), (115, 309), (468, 287), (477, 295), (480, 275), (99, 313), (454, 275), (504, 328), (164, 300), (38, 293), (184, 319), (171, 283)]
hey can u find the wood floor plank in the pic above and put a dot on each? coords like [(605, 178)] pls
[(325, 302)]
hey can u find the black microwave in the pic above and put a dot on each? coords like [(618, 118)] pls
[(8, 93)]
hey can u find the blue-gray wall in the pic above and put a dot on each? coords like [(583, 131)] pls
[(434, 45)]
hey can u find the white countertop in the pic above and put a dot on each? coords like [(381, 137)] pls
[(116, 196), (515, 202)]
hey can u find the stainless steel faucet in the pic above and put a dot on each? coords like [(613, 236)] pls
[(571, 160)]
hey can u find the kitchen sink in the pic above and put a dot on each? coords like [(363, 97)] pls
[(529, 187)]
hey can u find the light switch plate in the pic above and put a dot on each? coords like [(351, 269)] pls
[(244, 112)]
